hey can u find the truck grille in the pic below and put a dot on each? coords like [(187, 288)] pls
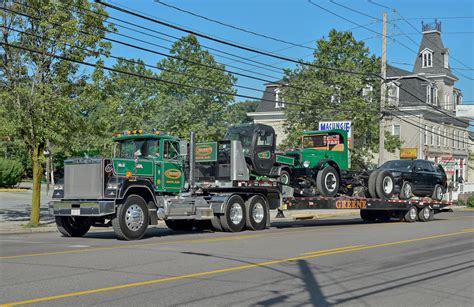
[(83, 179)]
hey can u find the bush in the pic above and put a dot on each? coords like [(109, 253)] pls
[(11, 172), (470, 202)]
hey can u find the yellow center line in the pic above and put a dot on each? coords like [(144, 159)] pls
[(334, 249), (229, 269), (320, 229)]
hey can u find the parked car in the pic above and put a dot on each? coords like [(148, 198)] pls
[(408, 178)]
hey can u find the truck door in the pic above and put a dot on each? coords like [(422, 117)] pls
[(264, 150), (172, 170)]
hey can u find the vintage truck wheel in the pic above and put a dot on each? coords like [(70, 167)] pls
[(179, 224), (327, 181), (131, 220), (256, 213), (233, 219), (284, 177), (371, 184), (384, 185), (71, 226)]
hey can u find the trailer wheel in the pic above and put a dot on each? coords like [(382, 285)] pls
[(256, 213), (406, 191), (438, 193), (179, 224), (233, 219), (132, 218), (426, 214), (327, 181), (384, 185), (371, 184), (384, 216), (70, 226), (411, 214), (367, 215)]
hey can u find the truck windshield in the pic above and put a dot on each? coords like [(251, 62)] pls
[(146, 148), (400, 165)]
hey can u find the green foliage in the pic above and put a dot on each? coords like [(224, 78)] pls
[(470, 202), (11, 172), (237, 112), (329, 95)]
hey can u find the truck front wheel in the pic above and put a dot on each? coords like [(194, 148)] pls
[(327, 181), (70, 226), (131, 220)]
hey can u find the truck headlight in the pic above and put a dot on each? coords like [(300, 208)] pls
[(306, 164), (112, 186), (58, 187)]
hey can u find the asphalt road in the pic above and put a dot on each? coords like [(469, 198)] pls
[(331, 262)]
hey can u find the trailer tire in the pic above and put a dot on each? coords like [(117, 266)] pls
[(179, 225), (371, 184), (411, 214), (367, 215), (233, 219), (327, 181), (426, 214), (70, 226), (384, 216), (438, 193), (131, 220), (256, 213), (384, 185)]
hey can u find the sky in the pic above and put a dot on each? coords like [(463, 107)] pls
[(301, 23)]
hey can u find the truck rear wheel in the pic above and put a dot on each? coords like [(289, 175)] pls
[(327, 181), (71, 226), (131, 220), (256, 213), (233, 219)]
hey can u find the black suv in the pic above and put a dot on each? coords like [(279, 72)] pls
[(416, 177)]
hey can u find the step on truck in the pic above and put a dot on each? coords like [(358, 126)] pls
[(155, 176)]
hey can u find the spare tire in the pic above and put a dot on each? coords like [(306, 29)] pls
[(384, 185), (371, 184)]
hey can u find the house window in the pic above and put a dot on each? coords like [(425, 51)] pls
[(453, 139), (393, 92), (447, 102), (432, 141), (446, 64), (396, 131), (438, 136), (278, 99), (427, 135), (460, 140), (465, 140), (431, 95), (427, 58)]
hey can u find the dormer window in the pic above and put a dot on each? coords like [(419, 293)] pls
[(446, 64), (278, 99), (427, 58), (393, 94)]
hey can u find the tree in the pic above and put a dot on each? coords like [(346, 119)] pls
[(38, 91), (182, 109), (326, 94), (237, 112)]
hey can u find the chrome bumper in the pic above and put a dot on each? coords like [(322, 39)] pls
[(81, 208)]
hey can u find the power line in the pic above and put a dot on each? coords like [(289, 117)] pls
[(344, 18), (176, 57), (232, 26), (230, 43)]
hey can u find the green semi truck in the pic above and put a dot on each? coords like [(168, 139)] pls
[(154, 176)]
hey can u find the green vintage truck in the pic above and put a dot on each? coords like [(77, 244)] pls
[(317, 166)]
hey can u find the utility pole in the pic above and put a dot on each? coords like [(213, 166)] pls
[(382, 90)]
